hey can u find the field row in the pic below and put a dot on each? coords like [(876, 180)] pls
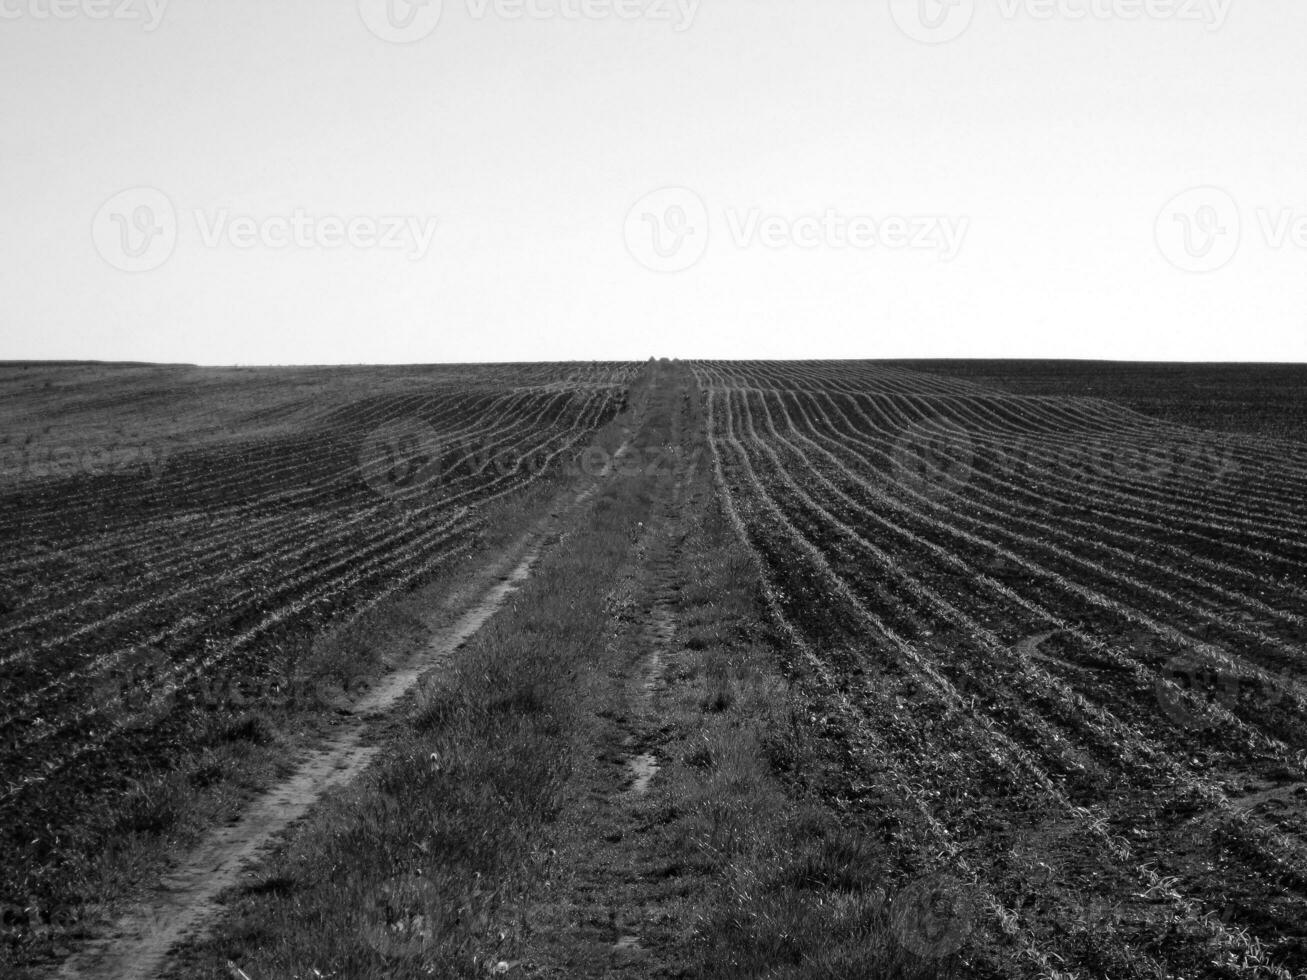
[(128, 593), (1073, 684)]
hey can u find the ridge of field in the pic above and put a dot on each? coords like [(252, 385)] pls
[(177, 409), (1254, 399), (1064, 642), (146, 600)]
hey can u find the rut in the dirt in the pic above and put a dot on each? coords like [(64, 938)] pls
[(615, 912), (138, 945)]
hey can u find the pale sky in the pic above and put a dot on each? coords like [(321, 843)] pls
[(860, 178)]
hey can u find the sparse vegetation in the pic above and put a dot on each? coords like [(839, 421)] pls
[(426, 867), (877, 673), (296, 590)]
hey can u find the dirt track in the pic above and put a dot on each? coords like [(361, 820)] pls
[(184, 902)]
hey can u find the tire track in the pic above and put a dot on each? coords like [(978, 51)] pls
[(138, 945)]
